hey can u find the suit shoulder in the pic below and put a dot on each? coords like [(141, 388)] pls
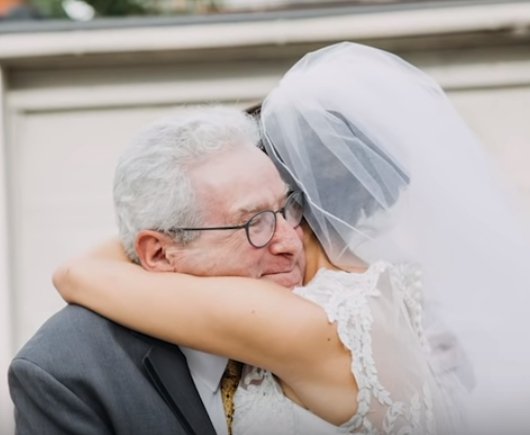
[(72, 320), (74, 331)]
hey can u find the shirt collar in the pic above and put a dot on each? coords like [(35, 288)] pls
[(205, 367)]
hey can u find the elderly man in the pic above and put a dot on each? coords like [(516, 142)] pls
[(82, 374)]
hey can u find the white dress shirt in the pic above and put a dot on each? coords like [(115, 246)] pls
[(207, 370)]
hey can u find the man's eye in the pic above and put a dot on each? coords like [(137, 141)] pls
[(256, 220)]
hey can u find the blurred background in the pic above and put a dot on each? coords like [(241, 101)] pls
[(79, 78)]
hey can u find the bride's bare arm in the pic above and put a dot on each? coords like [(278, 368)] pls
[(254, 321)]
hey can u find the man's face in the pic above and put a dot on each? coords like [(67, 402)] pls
[(231, 187)]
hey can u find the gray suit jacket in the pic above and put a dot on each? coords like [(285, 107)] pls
[(83, 374)]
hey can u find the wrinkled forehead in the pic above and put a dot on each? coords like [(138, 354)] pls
[(237, 180)]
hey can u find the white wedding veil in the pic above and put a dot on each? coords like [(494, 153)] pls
[(391, 172)]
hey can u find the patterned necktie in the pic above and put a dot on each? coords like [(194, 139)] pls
[(229, 383)]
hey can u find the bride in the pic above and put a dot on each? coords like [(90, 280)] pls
[(391, 177)]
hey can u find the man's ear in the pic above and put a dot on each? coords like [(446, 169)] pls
[(151, 247)]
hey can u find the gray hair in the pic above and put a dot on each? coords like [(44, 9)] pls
[(152, 187)]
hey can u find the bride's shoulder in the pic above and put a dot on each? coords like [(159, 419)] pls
[(402, 277), (401, 270), (406, 277)]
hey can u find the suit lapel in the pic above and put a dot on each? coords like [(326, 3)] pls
[(169, 372)]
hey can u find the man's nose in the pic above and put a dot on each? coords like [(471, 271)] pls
[(286, 239)]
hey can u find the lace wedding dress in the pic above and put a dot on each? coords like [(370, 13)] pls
[(378, 316)]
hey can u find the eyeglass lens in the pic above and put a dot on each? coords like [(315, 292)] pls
[(261, 227)]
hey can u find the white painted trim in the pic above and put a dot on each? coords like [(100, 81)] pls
[(377, 25), (210, 89), (6, 325), (452, 74), (484, 74)]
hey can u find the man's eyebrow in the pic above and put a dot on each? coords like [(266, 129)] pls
[(256, 208), (252, 209)]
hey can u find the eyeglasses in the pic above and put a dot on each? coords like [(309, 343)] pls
[(261, 227)]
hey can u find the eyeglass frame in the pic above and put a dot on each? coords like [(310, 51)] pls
[(246, 225)]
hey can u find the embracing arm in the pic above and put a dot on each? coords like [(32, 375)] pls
[(254, 321)]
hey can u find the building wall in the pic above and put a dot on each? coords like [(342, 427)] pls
[(68, 110)]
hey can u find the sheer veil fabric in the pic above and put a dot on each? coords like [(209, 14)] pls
[(391, 172)]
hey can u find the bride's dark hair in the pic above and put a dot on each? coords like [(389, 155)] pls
[(371, 159)]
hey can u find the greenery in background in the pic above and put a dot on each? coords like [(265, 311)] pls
[(104, 8), (49, 8), (119, 7)]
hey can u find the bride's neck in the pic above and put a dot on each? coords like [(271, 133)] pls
[(316, 258)]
